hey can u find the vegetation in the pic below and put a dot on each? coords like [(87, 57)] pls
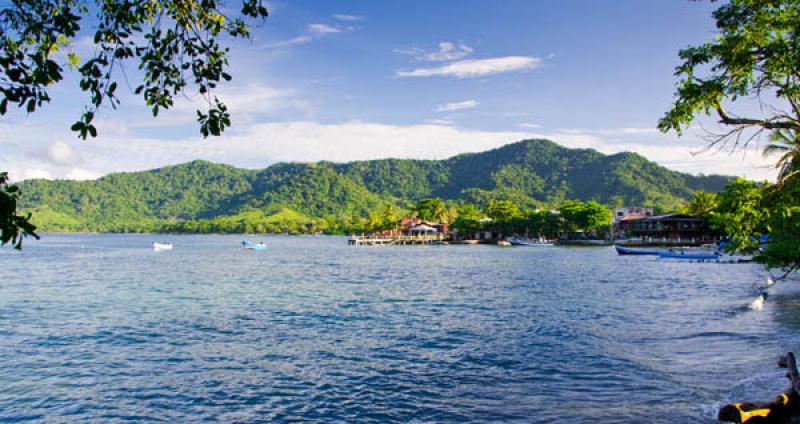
[(13, 227), (432, 209), (753, 59), (507, 218), (362, 196), (175, 44), (587, 216)]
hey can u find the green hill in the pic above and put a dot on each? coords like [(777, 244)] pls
[(305, 196)]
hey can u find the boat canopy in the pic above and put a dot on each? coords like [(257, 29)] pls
[(422, 228)]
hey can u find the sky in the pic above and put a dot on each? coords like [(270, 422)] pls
[(358, 80)]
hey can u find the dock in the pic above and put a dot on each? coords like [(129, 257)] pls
[(397, 240)]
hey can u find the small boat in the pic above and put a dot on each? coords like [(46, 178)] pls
[(540, 242), (246, 245), (631, 251), (690, 255), (158, 247), (504, 243)]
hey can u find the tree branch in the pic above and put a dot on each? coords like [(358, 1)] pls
[(770, 125)]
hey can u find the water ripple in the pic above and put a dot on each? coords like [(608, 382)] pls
[(102, 329)]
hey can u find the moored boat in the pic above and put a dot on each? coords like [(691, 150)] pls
[(161, 246), (504, 243), (690, 255), (631, 251), (246, 245), (540, 242)]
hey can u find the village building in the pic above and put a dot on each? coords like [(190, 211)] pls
[(621, 216), (631, 212), (672, 227), (415, 226)]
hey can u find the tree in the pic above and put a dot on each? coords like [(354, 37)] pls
[(432, 209), (741, 215), (13, 227), (756, 54), (175, 44), (702, 204), (502, 210), (390, 216), (587, 216), (543, 223), (467, 219), (785, 145)]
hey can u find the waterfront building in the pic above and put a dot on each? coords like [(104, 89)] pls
[(628, 213), (669, 227), (412, 225)]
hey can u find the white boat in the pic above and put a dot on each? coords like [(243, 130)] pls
[(161, 246), (541, 242), (504, 243)]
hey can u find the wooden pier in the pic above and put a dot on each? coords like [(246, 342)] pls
[(397, 240)]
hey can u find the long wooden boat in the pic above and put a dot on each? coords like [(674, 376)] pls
[(631, 251)]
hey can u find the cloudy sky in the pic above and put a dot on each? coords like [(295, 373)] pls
[(349, 80)]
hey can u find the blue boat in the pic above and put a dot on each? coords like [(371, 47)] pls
[(246, 245), (689, 255), (630, 251)]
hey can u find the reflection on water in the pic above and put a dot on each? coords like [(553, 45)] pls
[(100, 327)]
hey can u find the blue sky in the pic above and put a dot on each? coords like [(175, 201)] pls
[(350, 80)]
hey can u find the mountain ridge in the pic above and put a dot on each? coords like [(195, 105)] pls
[(532, 173)]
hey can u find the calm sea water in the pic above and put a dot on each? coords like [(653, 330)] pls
[(101, 328)]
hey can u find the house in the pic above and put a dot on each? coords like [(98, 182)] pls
[(621, 216), (669, 227), (412, 226), (630, 211)]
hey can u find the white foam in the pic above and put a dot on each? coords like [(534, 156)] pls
[(758, 303)]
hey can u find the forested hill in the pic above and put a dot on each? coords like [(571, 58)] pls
[(530, 173)]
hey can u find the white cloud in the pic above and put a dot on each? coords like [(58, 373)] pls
[(58, 153), (612, 131), (312, 32), (450, 107), (530, 126), (23, 173), (446, 122), (245, 102), (322, 29), (257, 145), (82, 174), (300, 39), (445, 51), (477, 67), (679, 154), (348, 18)]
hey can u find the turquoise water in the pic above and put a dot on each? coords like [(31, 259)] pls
[(101, 328)]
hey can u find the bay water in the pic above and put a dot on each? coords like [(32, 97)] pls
[(101, 328)]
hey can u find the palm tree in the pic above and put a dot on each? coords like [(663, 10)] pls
[(433, 209), (703, 204), (390, 217), (785, 143)]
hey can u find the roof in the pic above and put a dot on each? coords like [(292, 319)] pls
[(672, 216), (423, 227), (632, 217)]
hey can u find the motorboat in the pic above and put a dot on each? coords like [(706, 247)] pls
[(158, 247), (246, 245), (540, 242), (504, 243), (690, 255)]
